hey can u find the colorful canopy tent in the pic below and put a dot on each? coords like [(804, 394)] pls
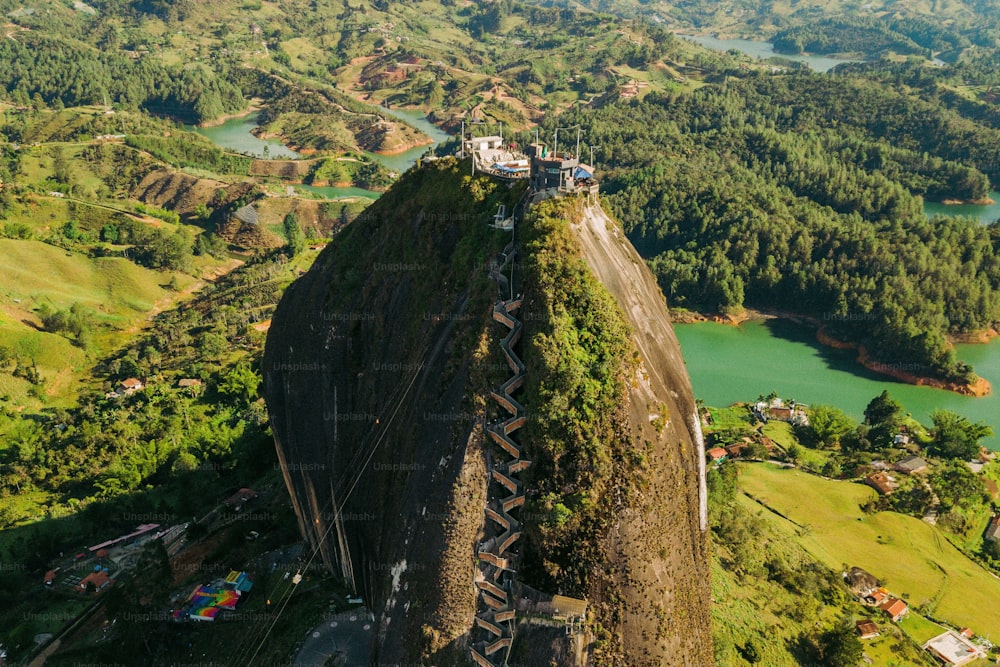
[(205, 602)]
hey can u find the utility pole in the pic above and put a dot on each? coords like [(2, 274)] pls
[(578, 143)]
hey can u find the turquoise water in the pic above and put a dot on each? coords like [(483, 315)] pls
[(418, 119), (729, 364), (764, 50), (985, 214), (338, 193), (235, 135)]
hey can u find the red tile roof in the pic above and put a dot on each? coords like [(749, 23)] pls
[(894, 607), (716, 453)]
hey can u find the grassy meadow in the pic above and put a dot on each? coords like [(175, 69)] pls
[(912, 558)]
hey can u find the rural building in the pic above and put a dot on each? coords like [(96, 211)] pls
[(240, 498), (99, 578), (895, 608), (951, 648), (993, 530), (570, 609), (140, 534), (793, 413), (867, 629), (188, 383), (911, 465), (559, 171), (877, 597), (901, 439), (881, 482), (861, 582), (717, 454), (736, 449), (238, 581), (130, 386)]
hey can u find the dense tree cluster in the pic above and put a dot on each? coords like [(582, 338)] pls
[(790, 192), (66, 72), (867, 35)]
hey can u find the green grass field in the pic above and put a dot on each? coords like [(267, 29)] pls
[(33, 274), (912, 558)]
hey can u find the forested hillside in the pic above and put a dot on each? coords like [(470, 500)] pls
[(787, 192)]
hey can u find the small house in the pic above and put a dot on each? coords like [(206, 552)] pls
[(129, 386), (735, 450), (783, 414), (238, 581), (993, 530), (717, 455), (867, 629), (951, 648), (895, 608), (881, 482), (877, 597), (240, 498), (911, 465), (100, 579)]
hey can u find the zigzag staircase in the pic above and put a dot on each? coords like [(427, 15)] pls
[(496, 611)]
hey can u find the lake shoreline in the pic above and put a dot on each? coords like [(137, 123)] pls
[(982, 201), (255, 106), (981, 387)]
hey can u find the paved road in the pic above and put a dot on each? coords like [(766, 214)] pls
[(346, 635)]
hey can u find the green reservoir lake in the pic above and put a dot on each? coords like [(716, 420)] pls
[(236, 135), (729, 364), (764, 50), (986, 213)]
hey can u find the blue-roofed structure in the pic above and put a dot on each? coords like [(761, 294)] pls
[(238, 581)]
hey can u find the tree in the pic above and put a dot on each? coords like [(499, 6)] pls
[(957, 486), (882, 409), (827, 425), (882, 415), (955, 437), (293, 232), (840, 646), (757, 450), (241, 383)]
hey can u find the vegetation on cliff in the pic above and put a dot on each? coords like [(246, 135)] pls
[(578, 350)]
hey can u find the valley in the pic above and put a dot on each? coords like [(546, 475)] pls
[(246, 297)]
